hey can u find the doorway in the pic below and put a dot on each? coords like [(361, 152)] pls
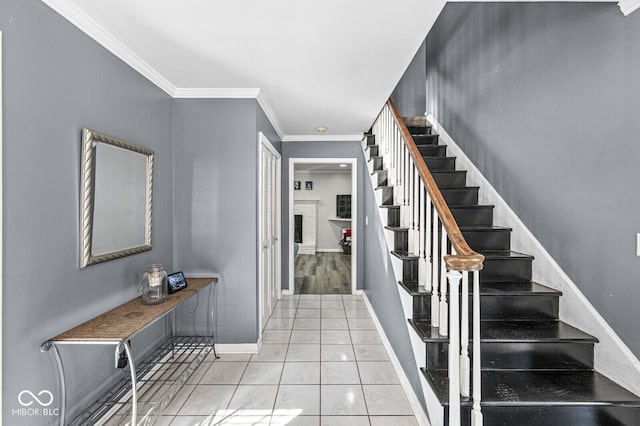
[(322, 225), (268, 228)]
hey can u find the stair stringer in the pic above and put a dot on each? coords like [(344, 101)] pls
[(612, 357), (435, 411)]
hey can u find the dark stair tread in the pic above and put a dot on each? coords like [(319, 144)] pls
[(404, 255), (396, 228), (464, 188), (384, 187), (540, 387), (375, 157), (482, 228), (503, 254), (516, 288), (470, 206), (487, 288), (418, 128), (510, 331)]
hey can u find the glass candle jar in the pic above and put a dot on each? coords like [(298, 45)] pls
[(154, 285)]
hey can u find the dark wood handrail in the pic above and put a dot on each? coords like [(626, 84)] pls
[(465, 258)]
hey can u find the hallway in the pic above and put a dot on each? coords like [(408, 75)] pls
[(322, 363)]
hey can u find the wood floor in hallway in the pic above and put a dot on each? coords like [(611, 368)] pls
[(323, 273)]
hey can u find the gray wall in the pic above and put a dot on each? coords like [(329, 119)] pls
[(381, 288), (55, 81), (320, 150), (409, 95), (544, 99), (215, 210)]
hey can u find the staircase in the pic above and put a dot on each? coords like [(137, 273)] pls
[(535, 369)]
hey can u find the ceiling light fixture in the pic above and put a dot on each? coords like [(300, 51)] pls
[(343, 165), (321, 129)]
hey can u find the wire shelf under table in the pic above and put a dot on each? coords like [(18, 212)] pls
[(159, 378)]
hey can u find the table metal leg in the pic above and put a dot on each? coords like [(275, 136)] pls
[(63, 385), (173, 334), (46, 346), (210, 322), (134, 384)]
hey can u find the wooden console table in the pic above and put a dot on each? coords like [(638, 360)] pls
[(117, 326)]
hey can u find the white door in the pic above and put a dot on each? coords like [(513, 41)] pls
[(269, 228)]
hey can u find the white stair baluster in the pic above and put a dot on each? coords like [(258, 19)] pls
[(464, 337), (476, 413), (403, 198), (426, 237), (435, 263), (444, 308), (422, 264), (416, 211), (391, 171), (411, 246)]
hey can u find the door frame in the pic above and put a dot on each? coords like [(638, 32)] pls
[(1, 224), (264, 142), (354, 216)]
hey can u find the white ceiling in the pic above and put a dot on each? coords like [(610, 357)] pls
[(309, 63)]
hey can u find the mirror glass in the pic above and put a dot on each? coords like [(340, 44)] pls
[(116, 198)]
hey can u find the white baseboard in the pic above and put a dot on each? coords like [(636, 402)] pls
[(238, 348), (337, 250), (613, 358), (414, 401)]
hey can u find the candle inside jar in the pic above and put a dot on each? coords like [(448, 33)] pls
[(155, 280)]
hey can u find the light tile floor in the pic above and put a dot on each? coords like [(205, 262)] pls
[(322, 363)]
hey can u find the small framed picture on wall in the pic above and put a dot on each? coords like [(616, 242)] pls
[(308, 185), (296, 185)]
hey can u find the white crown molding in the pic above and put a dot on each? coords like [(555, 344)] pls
[(94, 30), (323, 138), (628, 6), (215, 93), (271, 115)]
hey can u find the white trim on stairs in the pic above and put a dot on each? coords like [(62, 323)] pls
[(612, 357), (414, 401)]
